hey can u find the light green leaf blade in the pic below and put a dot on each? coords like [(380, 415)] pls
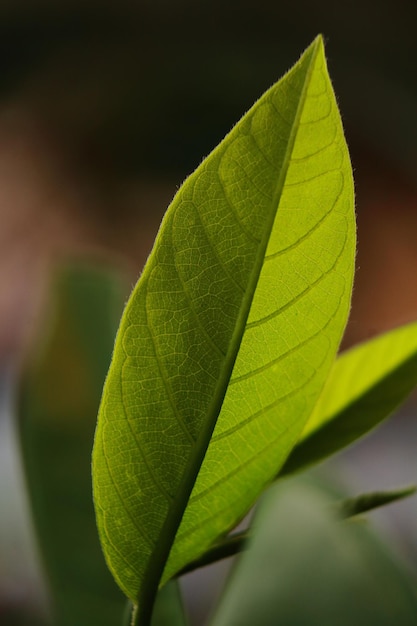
[(258, 243), (305, 567), (58, 399), (367, 383)]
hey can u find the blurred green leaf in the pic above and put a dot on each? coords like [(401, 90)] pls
[(59, 396), (366, 384), (168, 609), (369, 501), (303, 567), (233, 328)]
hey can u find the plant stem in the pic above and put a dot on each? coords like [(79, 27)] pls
[(131, 614), (345, 509), (135, 617), (370, 501), (231, 546), (127, 613)]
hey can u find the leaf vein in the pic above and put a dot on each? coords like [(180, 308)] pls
[(218, 258), (265, 409), (281, 357), (122, 502), (306, 235), (163, 378), (299, 296), (162, 489)]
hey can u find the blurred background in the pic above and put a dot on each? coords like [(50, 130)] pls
[(106, 106)]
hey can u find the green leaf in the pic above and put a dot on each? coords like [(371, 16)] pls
[(232, 328), (369, 501), (303, 566), (169, 610), (59, 396), (366, 384)]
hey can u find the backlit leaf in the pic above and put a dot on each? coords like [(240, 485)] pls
[(232, 328), (365, 385)]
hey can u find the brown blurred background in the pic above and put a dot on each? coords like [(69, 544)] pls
[(105, 107)]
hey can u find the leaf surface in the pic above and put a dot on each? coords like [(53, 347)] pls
[(367, 383), (232, 328)]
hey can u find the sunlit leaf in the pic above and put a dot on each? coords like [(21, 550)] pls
[(232, 328), (365, 385), (58, 400)]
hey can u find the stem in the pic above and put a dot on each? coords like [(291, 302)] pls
[(238, 542), (135, 616), (142, 614), (370, 501), (127, 613), (230, 546)]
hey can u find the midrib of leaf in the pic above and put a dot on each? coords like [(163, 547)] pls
[(179, 503), (221, 512)]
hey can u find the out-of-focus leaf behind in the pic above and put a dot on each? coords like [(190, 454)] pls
[(58, 400), (230, 332), (304, 567)]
